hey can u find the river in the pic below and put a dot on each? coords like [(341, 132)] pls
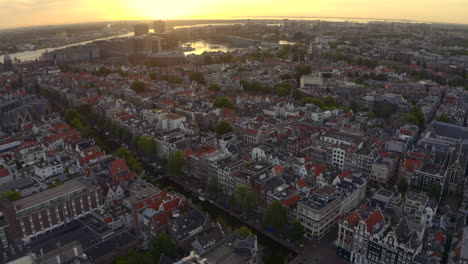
[(36, 54)]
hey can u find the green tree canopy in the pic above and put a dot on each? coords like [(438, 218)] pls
[(214, 87), (173, 79), (133, 257), (412, 119), (132, 162), (138, 86), (443, 118), (12, 195), (153, 76), (175, 162), (403, 186), (282, 89), (276, 216), (147, 145), (224, 101), (415, 116), (197, 77), (246, 198), (434, 191), (244, 231), (213, 184), (223, 127), (297, 94), (296, 231), (353, 105), (311, 100), (329, 102), (162, 244)]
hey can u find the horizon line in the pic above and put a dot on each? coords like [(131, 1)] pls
[(264, 17)]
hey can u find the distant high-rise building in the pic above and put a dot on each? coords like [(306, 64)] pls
[(159, 26), (141, 29)]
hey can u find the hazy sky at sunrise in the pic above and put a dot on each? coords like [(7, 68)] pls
[(15, 13)]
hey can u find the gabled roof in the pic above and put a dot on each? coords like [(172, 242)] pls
[(375, 220), (412, 164), (302, 183), (292, 200), (353, 218)]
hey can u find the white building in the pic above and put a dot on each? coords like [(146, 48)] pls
[(45, 171), (171, 121), (311, 80)]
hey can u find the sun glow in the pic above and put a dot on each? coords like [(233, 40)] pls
[(34, 12)]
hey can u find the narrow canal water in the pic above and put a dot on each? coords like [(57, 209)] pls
[(270, 252)]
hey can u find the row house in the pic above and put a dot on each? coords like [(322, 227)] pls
[(226, 174), (433, 170), (365, 237), (288, 196)]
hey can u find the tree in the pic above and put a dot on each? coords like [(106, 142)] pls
[(403, 186), (296, 231), (70, 114), (353, 105), (175, 162), (213, 184), (412, 119), (244, 231), (197, 77), (297, 94), (276, 216), (132, 162), (443, 118), (245, 85), (434, 191), (153, 76), (207, 59), (329, 101), (387, 112), (12, 195), (310, 100), (147, 145), (282, 89), (162, 244), (416, 111), (138, 86), (135, 258), (223, 127), (246, 198), (224, 101), (214, 87)]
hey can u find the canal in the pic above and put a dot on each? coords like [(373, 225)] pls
[(270, 252)]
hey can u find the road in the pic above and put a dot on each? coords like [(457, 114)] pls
[(319, 251)]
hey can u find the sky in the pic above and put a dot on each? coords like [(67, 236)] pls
[(16, 13)]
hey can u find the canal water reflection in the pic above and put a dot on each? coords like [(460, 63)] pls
[(270, 252)]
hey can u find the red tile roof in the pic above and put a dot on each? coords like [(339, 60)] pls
[(292, 200), (353, 218), (302, 183), (28, 144), (4, 173), (278, 169), (319, 168), (412, 164), (374, 219)]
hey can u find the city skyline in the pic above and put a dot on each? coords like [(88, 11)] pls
[(19, 13)]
